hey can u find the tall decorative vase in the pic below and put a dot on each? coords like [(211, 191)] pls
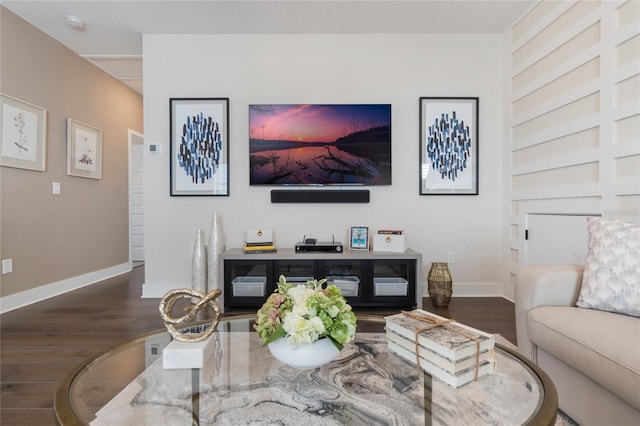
[(199, 263), (440, 284), (216, 247)]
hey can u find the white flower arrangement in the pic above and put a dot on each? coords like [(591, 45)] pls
[(305, 313)]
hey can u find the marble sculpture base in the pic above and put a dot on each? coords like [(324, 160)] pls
[(187, 354)]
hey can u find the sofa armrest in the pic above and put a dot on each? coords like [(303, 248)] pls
[(543, 285)]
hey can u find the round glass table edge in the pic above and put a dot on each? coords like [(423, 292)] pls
[(65, 415)]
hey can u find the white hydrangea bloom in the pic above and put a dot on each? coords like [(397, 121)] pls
[(301, 330)]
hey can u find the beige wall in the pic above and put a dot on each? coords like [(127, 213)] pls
[(85, 229)]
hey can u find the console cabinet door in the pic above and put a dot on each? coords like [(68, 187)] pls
[(393, 283), (247, 283), (346, 274), (296, 271)]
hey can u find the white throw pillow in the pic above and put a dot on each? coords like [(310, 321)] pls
[(611, 280)]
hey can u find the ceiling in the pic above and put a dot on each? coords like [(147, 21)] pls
[(112, 36)]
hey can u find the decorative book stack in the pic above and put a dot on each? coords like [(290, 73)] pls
[(259, 241), (268, 247), (452, 352)]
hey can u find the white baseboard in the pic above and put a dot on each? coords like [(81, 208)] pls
[(47, 291)]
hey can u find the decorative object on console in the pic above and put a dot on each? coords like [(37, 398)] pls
[(84, 150), (199, 146), (304, 314), (259, 241), (216, 248), (390, 240), (449, 146), (24, 135), (359, 238), (259, 236), (199, 263), (452, 352), (440, 284), (612, 269), (205, 300)]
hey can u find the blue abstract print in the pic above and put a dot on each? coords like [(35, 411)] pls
[(448, 146), (200, 148)]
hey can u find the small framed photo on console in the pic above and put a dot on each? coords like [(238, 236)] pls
[(359, 238)]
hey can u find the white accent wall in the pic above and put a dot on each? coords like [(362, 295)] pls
[(370, 68), (573, 139)]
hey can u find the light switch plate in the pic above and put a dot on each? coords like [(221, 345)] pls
[(56, 188)]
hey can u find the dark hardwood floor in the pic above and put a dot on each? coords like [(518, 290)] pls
[(41, 343)]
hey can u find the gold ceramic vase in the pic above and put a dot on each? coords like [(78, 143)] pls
[(440, 284)]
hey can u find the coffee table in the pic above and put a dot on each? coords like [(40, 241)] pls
[(243, 384)]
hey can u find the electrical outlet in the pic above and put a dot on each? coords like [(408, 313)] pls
[(7, 266), (451, 257), (155, 349)]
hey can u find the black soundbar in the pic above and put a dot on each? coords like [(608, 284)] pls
[(320, 196)]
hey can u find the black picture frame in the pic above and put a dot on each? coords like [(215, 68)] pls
[(199, 146), (449, 145)]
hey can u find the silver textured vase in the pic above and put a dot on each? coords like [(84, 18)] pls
[(214, 266), (199, 263)]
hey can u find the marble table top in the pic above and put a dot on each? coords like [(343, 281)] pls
[(242, 384)]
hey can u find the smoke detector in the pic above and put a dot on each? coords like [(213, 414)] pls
[(74, 22)]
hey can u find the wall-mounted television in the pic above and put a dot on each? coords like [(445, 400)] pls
[(320, 144)]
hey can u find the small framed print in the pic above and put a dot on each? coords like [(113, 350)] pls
[(359, 238), (199, 147), (449, 146), (84, 150), (24, 135)]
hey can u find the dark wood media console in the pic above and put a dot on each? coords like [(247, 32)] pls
[(366, 278)]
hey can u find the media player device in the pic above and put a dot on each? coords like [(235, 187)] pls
[(312, 245)]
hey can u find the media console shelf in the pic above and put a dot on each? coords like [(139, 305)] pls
[(367, 279)]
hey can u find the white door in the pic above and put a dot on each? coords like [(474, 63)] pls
[(136, 196), (555, 239)]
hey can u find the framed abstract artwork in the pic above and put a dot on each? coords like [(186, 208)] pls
[(448, 146), (24, 135), (199, 154), (84, 150), (359, 238)]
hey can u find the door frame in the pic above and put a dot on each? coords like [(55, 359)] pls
[(130, 135)]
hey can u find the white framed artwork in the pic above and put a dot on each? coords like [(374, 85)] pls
[(24, 134), (84, 150)]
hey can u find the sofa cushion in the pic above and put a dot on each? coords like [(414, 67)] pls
[(611, 280), (601, 345)]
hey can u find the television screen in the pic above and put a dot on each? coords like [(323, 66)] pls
[(320, 144)]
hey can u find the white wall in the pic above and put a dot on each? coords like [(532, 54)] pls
[(574, 76), (395, 69)]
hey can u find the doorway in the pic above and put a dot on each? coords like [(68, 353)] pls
[(136, 197)]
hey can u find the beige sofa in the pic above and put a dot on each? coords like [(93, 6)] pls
[(593, 357)]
